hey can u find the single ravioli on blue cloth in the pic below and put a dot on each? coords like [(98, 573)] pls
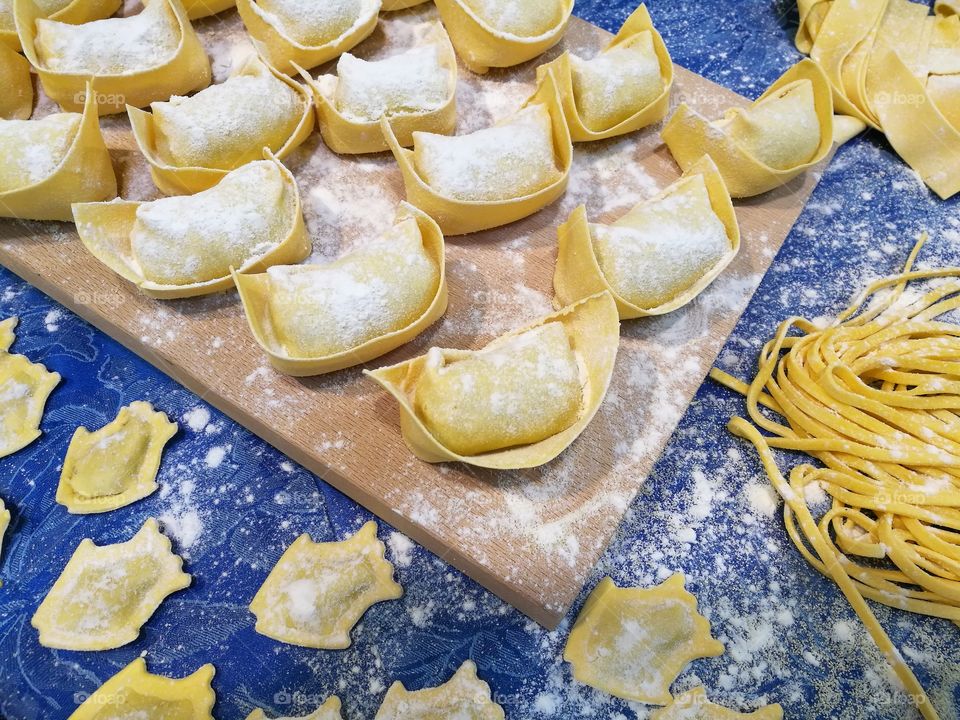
[(464, 696), (330, 710)]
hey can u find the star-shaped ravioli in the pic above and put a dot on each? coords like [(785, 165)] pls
[(464, 697), (634, 642), (317, 592), (330, 710), (694, 705)]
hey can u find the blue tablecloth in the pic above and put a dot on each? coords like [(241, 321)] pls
[(233, 503)]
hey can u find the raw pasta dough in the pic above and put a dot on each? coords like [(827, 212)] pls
[(16, 102), (135, 693), (634, 642), (117, 464), (4, 522), (693, 705), (317, 592), (330, 710), (106, 593), (204, 8), (70, 11), (464, 697)]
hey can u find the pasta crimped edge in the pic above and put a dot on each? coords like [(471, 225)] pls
[(84, 175), (592, 325), (187, 70), (187, 180), (104, 229), (460, 217), (578, 273), (639, 21), (254, 294)]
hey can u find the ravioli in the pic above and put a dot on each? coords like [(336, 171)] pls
[(292, 34), (68, 11), (317, 592), (117, 464), (503, 33), (312, 319), (634, 642), (135, 693), (192, 142), (761, 147), (693, 705), (53, 162), (16, 103), (657, 257), (330, 710), (197, 9), (464, 696), (622, 89), (185, 246), (106, 593), (132, 60), (24, 389), (520, 401), (493, 176), (415, 90), (4, 522)]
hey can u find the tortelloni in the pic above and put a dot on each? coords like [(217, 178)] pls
[(68, 11), (624, 88), (132, 60), (503, 33), (117, 464), (307, 33), (197, 9), (135, 693), (53, 162), (763, 146), (313, 319), (330, 710), (517, 403), (463, 697), (106, 593), (186, 246), (414, 90), (192, 142), (658, 256), (317, 592), (493, 176), (16, 102)]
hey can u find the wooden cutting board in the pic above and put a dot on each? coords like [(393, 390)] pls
[(531, 537)]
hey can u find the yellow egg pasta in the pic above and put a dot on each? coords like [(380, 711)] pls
[(106, 593), (634, 642), (186, 246), (4, 522), (503, 33), (765, 145), (313, 319), (624, 88), (413, 90), (191, 143), (660, 255), (392, 5), (68, 11), (317, 592), (16, 102), (305, 33), (135, 693), (117, 464), (131, 60), (693, 705), (517, 403), (464, 696), (197, 9), (330, 710)]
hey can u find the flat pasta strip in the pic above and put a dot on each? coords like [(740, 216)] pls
[(16, 103), (313, 319), (464, 696), (317, 592), (503, 33), (191, 143), (54, 162), (415, 91), (106, 593), (517, 403), (68, 11), (624, 88), (493, 176), (186, 246), (693, 705), (135, 693), (117, 464), (24, 389), (132, 60), (785, 131), (330, 710), (634, 642), (660, 255), (305, 33)]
